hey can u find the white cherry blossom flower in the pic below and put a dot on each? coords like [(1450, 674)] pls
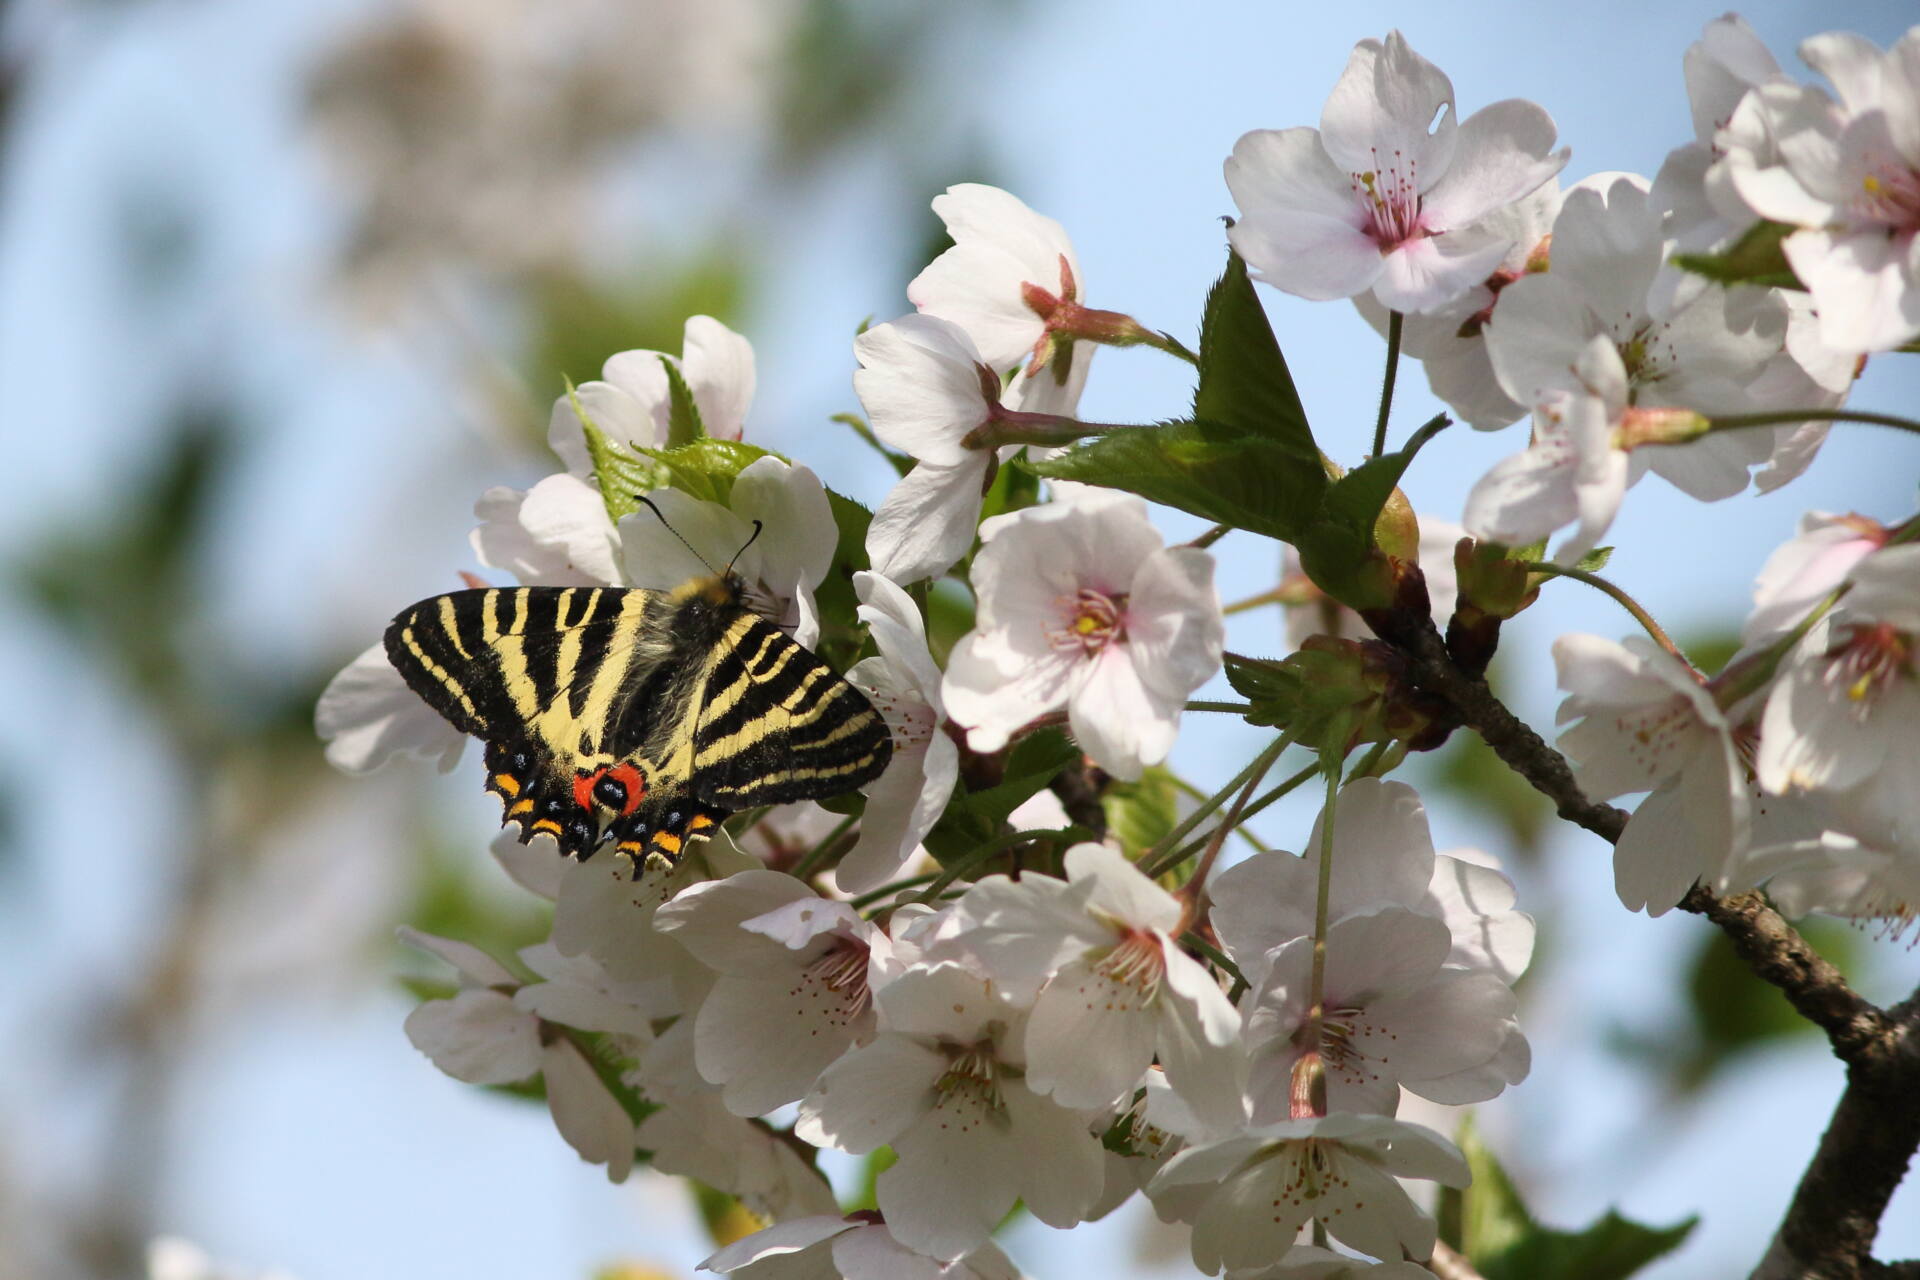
[(1383, 856), (1638, 720), (780, 567), (556, 534), (942, 1085), (1110, 987), (1844, 708), (1847, 174), (1806, 569), (1248, 1196), (857, 1247), (1396, 1014), (1705, 354), (1383, 196), (1838, 874), (925, 388), (904, 686), (1011, 279), (694, 1135), (1080, 605), (1451, 343), (792, 993)]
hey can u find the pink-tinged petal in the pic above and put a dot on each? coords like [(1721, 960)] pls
[(1525, 497), (1309, 256), (767, 1042), (1432, 272), (1200, 1045), (591, 1120), (1539, 329), (782, 1239), (999, 246), (926, 521), (1502, 154), (479, 1037), (718, 366), (1090, 1039), (991, 701), (1121, 723), (920, 386), (871, 1095), (707, 919), (1174, 627), (475, 966), (1862, 284), (1119, 889), (1276, 174), (1380, 110), (368, 715), (1711, 468)]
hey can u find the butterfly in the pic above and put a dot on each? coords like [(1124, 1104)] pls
[(636, 717)]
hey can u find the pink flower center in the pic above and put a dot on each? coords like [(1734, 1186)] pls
[(1869, 659), (1890, 194), (841, 975), (1311, 1173), (1089, 621), (1338, 1052), (910, 721), (1390, 196)]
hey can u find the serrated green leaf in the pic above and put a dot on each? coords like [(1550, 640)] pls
[(706, 468), (1758, 257), (1244, 380), (683, 415), (1269, 684), (1595, 560), (622, 475), (1491, 1225), (1249, 482)]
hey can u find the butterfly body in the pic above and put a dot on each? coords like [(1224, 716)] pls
[(636, 717)]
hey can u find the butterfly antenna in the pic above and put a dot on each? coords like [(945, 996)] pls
[(648, 504), (757, 526)]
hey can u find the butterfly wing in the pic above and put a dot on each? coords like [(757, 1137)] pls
[(776, 724), (542, 675)]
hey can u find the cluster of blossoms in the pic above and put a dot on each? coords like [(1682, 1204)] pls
[(1024, 1006)]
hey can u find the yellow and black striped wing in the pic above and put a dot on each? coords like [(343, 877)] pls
[(777, 724)]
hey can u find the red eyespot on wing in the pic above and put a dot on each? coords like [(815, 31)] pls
[(629, 777), (583, 788)]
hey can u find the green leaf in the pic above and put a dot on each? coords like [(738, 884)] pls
[(1140, 814), (1247, 481), (683, 418), (705, 468), (622, 475), (1244, 380), (1034, 761), (1757, 257), (1270, 684), (1338, 542), (1595, 560), (1491, 1225)]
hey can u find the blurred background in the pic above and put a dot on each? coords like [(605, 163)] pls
[(284, 286)]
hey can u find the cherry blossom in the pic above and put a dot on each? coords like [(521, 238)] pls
[(792, 993), (1248, 1196), (857, 1247), (1639, 719), (694, 1135), (904, 686), (1383, 196), (1081, 605), (1806, 569), (1847, 174), (1845, 705), (942, 1085), (925, 390), (1111, 988), (367, 715), (631, 402), (1011, 281)]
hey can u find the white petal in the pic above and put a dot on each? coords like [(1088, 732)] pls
[(475, 965), (1120, 722), (1090, 1038), (872, 1095), (926, 522), (479, 1036), (368, 715), (718, 364), (779, 1240)]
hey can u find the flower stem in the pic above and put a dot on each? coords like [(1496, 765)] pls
[(1782, 417), (1317, 983), (1194, 894), (983, 855), (1624, 600), (1394, 320), (1166, 342), (866, 900), (1164, 856), (1226, 708), (1012, 426), (815, 858)]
